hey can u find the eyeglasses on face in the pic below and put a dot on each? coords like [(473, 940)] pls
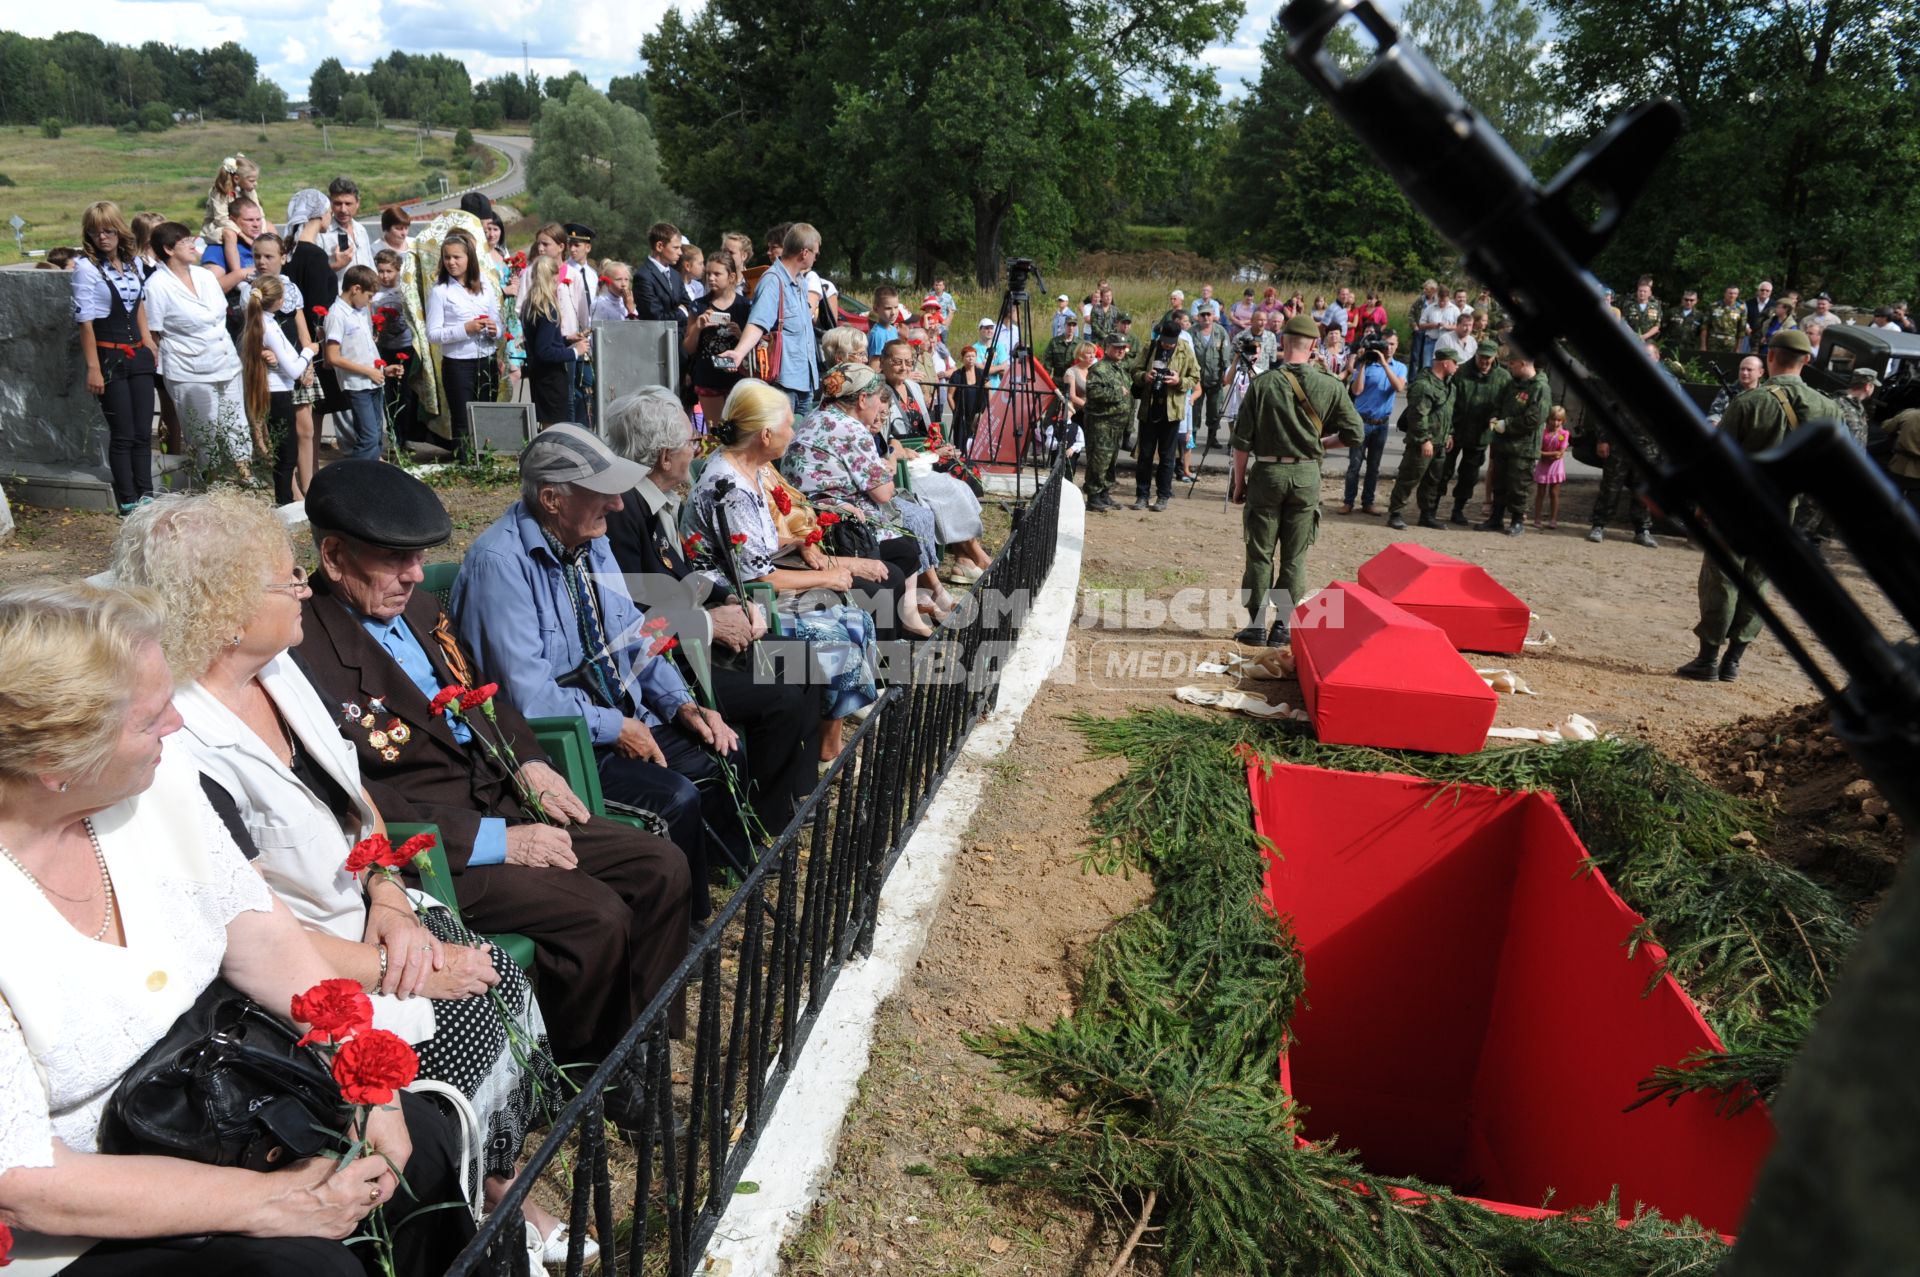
[(294, 586)]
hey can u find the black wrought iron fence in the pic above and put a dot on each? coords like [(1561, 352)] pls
[(755, 983)]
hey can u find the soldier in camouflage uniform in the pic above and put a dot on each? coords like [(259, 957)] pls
[(1476, 392), (1276, 473), (1643, 313), (1810, 518), (1109, 409), (1210, 348), (1427, 422), (1681, 327), (1101, 319), (1727, 323), (1619, 477), (1059, 351), (1519, 419), (1756, 421)]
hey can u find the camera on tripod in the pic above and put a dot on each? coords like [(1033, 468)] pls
[(1247, 346), (1020, 272)]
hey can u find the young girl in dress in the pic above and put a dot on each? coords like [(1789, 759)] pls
[(1550, 471), (238, 176)]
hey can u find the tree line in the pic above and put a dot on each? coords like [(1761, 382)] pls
[(77, 78)]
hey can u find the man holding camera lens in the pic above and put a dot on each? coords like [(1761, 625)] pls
[(1279, 437), (1376, 378), (1165, 375), (1427, 423)]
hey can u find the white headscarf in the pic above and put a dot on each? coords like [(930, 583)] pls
[(304, 207)]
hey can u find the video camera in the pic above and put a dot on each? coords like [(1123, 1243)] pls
[(1247, 346), (1373, 345)]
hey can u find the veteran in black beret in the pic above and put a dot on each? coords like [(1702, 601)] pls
[(605, 905)]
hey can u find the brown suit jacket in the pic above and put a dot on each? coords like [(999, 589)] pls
[(433, 779)]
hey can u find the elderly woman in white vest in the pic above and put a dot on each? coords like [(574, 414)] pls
[(124, 896), (256, 727)]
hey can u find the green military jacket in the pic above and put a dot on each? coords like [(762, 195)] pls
[(1100, 322), (1475, 397), (1680, 330), (1181, 363), (1428, 416), (1273, 424), (1853, 415), (1523, 409), (1726, 325), (1763, 416), (1109, 391), (1059, 354), (1211, 354), (1642, 319)]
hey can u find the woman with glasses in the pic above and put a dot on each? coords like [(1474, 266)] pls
[(255, 726)]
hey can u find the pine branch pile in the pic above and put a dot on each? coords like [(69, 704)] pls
[(1167, 1068)]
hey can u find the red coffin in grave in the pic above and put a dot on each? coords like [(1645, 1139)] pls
[(1477, 613), (1372, 674), (1473, 1016)]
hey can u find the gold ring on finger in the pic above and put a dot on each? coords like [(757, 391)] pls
[(373, 1192)]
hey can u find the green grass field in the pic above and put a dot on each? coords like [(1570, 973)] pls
[(54, 179)]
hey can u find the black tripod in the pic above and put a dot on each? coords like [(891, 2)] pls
[(1016, 311), (1242, 362)]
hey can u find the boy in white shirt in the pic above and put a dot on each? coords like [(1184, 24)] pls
[(357, 363)]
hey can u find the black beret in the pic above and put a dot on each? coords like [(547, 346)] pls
[(377, 503)]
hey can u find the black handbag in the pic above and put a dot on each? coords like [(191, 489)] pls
[(852, 538), (227, 1086)]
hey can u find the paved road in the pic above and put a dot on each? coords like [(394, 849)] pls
[(508, 184)]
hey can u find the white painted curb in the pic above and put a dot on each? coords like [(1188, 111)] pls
[(797, 1149)]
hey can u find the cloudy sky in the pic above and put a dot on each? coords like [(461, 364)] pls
[(599, 37)]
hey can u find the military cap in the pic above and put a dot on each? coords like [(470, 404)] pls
[(1301, 325), (575, 231), (377, 503), (1821, 297), (1791, 339), (1865, 377), (1487, 350), (1447, 348), (1124, 317), (1117, 341)]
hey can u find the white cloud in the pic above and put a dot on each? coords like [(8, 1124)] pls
[(293, 51)]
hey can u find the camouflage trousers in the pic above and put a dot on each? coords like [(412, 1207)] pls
[(1510, 478), (1103, 445), (1618, 476)]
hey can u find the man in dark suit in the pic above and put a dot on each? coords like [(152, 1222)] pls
[(779, 721), (658, 291), (605, 905)]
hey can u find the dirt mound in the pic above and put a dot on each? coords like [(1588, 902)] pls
[(1829, 820)]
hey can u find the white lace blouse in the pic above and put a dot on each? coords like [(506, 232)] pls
[(77, 1013)]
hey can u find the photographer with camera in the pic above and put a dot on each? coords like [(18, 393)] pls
[(1377, 377), (1162, 379)]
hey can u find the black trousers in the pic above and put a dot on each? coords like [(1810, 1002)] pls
[(127, 404), (426, 1243), (779, 723), (467, 381), (286, 444), (1154, 455), (881, 599), (551, 386), (689, 794)]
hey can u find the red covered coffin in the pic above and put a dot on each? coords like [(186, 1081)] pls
[(1371, 674), (1477, 613), (1473, 1016)]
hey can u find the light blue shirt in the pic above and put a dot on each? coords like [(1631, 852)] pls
[(1375, 400), (397, 641), (779, 296), (512, 609)]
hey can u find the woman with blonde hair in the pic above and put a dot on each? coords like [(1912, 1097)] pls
[(742, 495), (256, 728), (125, 896), (109, 305), (550, 355), (271, 368)]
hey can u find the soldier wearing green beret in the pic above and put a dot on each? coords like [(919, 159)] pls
[(1682, 326), (1109, 408), (1288, 412), (1427, 422), (1519, 420), (1476, 393), (1756, 421), (1059, 352)]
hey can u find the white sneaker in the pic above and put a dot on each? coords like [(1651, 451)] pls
[(553, 1250)]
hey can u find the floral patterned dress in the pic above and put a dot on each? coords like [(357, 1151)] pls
[(839, 636), (834, 460)]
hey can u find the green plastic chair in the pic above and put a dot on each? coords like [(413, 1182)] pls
[(569, 746), (439, 579), (436, 879)]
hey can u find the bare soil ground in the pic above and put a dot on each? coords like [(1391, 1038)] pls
[(1020, 911)]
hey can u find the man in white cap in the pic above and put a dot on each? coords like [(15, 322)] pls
[(543, 604), (994, 352), (1062, 309)]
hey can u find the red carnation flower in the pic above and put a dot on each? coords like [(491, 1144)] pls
[(654, 626), (379, 363), (336, 1010), (6, 1245), (403, 356), (477, 697), (446, 697), (691, 543), (828, 518), (320, 311), (372, 1065), (815, 536), (376, 851), (415, 847), (782, 501), (739, 538), (660, 645)]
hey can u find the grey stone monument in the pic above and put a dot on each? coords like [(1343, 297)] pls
[(53, 440), (627, 356)]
